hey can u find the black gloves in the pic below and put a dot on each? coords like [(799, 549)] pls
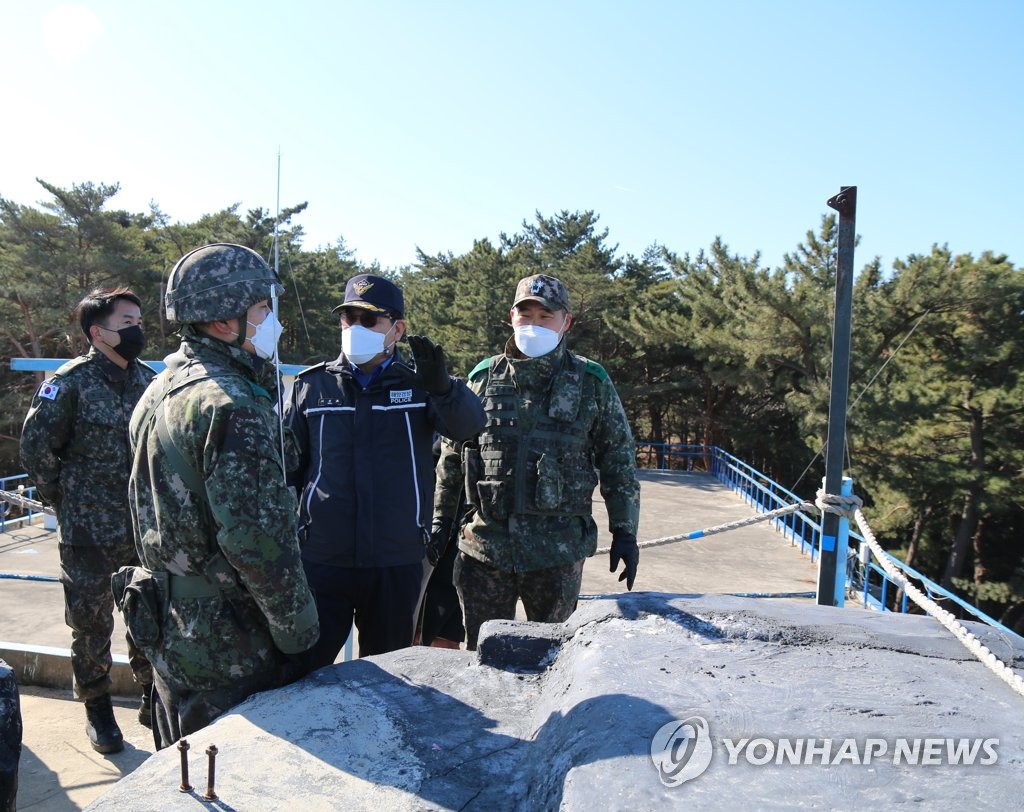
[(624, 547), (431, 373), (440, 535)]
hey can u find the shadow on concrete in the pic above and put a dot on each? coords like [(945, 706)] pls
[(637, 605), (59, 771), (532, 768)]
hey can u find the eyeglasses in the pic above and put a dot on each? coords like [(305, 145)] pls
[(356, 315)]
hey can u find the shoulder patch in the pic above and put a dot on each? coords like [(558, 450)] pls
[(485, 364), (48, 390), (597, 370), (313, 368)]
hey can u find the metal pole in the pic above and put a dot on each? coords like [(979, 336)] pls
[(842, 548), (277, 315), (846, 204)]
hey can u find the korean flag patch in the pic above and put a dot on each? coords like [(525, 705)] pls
[(48, 390)]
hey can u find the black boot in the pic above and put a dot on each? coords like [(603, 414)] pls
[(146, 708), (104, 734)]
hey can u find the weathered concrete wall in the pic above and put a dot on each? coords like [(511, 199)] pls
[(564, 716)]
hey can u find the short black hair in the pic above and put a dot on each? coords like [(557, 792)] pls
[(99, 304)]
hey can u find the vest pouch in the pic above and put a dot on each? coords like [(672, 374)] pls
[(492, 499), (548, 495), (473, 471), (141, 597)]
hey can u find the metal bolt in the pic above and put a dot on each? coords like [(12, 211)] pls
[(211, 751), (183, 749)]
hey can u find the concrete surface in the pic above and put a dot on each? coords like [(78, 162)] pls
[(61, 772), (572, 716)]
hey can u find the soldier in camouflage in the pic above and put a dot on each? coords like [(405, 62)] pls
[(11, 730), (74, 446), (215, 524), (553, 417)]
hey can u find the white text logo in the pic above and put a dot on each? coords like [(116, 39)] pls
[(924, 752)]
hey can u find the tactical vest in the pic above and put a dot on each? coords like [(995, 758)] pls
[(540, 463), (219, 577)]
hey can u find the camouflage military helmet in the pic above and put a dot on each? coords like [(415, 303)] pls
[(217, 281)]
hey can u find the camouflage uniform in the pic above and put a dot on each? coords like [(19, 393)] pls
[(74, 446), (237, 603), (10, 738), (530, 478)]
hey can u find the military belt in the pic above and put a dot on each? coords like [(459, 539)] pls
[(192, 586)]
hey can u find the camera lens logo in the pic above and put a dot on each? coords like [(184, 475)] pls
[(681, 750)]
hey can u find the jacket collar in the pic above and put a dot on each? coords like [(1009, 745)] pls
[(111, 371)]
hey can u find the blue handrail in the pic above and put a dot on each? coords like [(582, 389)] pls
[(52, 364), (864, 577), (28, 492)]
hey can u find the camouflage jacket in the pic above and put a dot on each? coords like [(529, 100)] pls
[(74, 446), (530, 475), (239, 532)]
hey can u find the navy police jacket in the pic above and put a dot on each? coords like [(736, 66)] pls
[(365, 473)]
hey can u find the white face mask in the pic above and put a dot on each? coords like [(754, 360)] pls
[(264, 340), (361, 344), (534, 341)]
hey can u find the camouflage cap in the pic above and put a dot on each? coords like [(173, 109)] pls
[(545, 289), (217, 281), (374, 293)]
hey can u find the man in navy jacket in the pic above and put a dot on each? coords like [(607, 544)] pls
[(364, 426)]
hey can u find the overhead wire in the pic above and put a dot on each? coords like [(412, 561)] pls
[(863, 391)]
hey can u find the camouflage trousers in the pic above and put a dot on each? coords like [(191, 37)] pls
[(89, 611), (11, 729), (486, 593)]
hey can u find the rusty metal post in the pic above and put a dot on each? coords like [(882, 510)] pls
[(830, 569), (211, 751), (183, 749)]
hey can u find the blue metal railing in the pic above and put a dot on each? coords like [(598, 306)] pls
[(52, 364), (762, 493), (877, 589), (5, 508), (865, 579)]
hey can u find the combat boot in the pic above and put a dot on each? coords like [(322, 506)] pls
[(146, 708), (104, 734)]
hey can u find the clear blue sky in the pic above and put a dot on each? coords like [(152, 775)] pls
[(432, 124)]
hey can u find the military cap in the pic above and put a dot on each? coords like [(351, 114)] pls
[(374, 293), (542, 288)]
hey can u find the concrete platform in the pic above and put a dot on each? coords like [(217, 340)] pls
[(60, 772)]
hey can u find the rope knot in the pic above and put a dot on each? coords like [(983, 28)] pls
[(844, 506)]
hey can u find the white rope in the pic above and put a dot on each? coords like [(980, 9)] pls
[(844, 506), (24, 502), (970, 641), (849, 507), (720, 528)]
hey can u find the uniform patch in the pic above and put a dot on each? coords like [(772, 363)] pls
[(48, 390), (401, 396)]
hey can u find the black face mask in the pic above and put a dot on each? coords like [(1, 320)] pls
[(133, 341)]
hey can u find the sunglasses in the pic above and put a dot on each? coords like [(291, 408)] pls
[(367, 319)]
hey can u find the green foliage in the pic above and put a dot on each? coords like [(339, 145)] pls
[(711, 348)]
